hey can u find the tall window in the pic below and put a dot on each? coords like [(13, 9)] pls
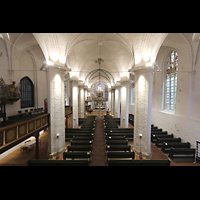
[(27, 93), (171, 80), (132, 95)]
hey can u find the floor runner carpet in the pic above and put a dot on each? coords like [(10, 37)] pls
[(99, 149)]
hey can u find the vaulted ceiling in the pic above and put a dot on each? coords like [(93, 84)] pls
[(120, 52)]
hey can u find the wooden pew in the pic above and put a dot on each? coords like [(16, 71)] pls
[(117, 142), (81, 142), (167, 146), (72, 130), (160, 141), (159, 132), (119, 130), (120, 155), (78, 131), (156, 130), (130, 135), (155, 136), (118, 147), (182, 154), (79, 148), (70, 136), (110, 126), (83, 138), (77, 155), (59, 162), (115, 137), (138, 163)]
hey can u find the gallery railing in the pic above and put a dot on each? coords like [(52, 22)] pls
[(13, 134)]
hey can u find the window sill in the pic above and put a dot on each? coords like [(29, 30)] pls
[(171, 112)]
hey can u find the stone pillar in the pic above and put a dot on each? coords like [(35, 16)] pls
[(67, 97), (109, 99), (117, 101), (56, 109), (124, 104), (86, 92), (74, 120), (81, 101), (85, 97), (112, 100), (142, 117)]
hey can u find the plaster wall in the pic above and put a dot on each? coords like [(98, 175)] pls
[(184, 122)]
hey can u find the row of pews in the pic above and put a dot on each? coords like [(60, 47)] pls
[(116, 139), (118, 151), (81, 141), (79, 150), (173, 147)]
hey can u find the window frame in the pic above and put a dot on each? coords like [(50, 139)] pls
[(170, 89), (27, 93)]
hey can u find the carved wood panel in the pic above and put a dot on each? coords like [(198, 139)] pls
[(38, 123), (31, 126), (44, 121), (11, 134), (22, 130), (1, 138)]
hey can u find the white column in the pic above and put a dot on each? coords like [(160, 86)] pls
[(81, 101), (86, 88), (109, 99), (85, 97), (112, 100), (124, 104), (142, 117), (68, 89), (56, 109), (117, 101), (74, 120)]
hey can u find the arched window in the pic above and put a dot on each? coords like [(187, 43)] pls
[(27, 93), (171, 80)]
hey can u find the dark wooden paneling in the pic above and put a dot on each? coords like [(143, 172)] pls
[(16, 133), (38, 123), (44, 121), (1, 138), (10, 135), (22, 130), (31, 126)]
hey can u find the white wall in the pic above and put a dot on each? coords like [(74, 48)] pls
[(24, 63), (183, 127), (185, 121)]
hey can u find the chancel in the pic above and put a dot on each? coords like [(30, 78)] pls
[(99, 99)]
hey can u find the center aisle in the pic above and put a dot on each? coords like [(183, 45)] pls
[(99, 149)]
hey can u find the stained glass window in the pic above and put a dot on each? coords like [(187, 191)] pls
[(27, 93), (171, 80)]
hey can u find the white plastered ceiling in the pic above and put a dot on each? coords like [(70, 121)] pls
[(121, 52)]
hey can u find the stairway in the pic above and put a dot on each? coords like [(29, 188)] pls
[(99, 149)]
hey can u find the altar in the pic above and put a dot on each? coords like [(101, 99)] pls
[(99, 101)]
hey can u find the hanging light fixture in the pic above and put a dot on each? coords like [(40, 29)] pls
[(99, 60)]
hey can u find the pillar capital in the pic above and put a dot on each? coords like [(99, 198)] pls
[(143, 69)]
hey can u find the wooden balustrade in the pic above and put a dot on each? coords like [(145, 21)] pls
[(13, 134)]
